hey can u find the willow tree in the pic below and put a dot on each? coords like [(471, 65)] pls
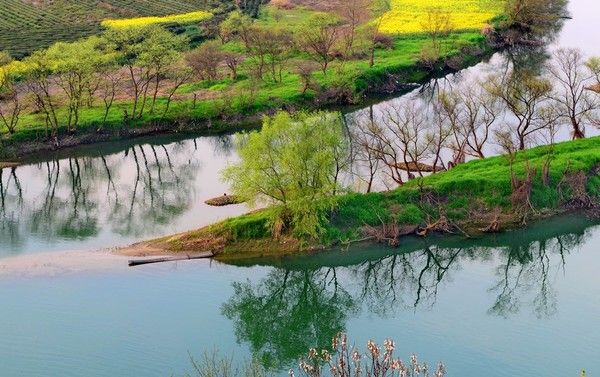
[(291, 165)]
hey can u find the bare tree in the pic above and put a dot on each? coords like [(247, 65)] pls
[(404, 139), (450, 107), (108, 86), (379, 10), (277, 47), (572, 95), (480, 113), (232, 61), (178, 74), (437, 25), (526, 98), (305, 70), (354, 13), (364, 148), (318, 38), (205, 61)]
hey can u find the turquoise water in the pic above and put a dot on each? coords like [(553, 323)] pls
[(520, 304), (523, 303)]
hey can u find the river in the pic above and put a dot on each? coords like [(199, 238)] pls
[(523, 303)]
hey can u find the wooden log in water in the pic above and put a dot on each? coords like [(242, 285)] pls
[(140, 262)]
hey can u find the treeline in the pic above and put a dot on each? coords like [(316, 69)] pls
[(127, 76), (510, 112)]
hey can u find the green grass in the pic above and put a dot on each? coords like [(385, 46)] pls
[(482, 184), (26, 26), (235, 98), (485, 181)]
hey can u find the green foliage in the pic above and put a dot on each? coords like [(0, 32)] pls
[(410, 214), (251, 226), (5, 58), (290, 163)]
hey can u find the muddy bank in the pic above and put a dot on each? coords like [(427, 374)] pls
[(210, 239), (25, 150), (6, 165)]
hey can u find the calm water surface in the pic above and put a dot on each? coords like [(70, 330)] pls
[(521, 304), (525, 303)]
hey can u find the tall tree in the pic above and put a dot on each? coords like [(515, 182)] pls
[(575, 101), (318, 37), (526, 98), (11, 104), (74, 66), (291, 163)]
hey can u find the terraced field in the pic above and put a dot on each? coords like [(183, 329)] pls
[(27, 25)]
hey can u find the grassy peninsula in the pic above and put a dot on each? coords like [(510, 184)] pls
[(484, 196)]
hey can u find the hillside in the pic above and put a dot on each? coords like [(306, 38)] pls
[(27, 25)]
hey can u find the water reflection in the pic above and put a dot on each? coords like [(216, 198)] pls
[(130, 193), (298, 310), (306, 300)]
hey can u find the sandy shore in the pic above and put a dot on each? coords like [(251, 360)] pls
[(60, 263)]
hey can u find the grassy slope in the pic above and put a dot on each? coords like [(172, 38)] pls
[(228, 98), (29, 25), (468, 194)]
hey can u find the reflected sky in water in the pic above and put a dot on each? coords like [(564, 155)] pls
[(113, 194), (524, 303)]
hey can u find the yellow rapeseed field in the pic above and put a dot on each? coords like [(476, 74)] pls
[(184, 18), (408, 16)]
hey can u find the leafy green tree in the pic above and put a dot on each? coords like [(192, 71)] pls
[(38, 82), (75, 65), (234, 25), (291, 163), (10, 101), (305, 309)]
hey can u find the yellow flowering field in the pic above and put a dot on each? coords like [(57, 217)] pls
[(184, 18), (408, 16)]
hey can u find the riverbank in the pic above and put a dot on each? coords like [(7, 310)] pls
[(479, 197), (7, 164), (209, 108)]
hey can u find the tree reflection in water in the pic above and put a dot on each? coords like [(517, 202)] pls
[(133, 191), (305, 301), (289, 312)]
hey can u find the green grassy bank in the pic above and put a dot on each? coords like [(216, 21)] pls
[(490, 195), (229, 105)]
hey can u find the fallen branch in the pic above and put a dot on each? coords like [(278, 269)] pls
[(139, 262)]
